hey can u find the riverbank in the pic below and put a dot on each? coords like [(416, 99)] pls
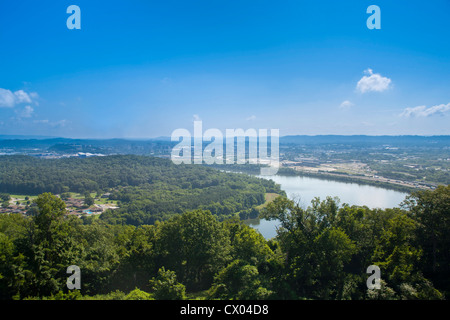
[(305, 189), (376, 181), (397, 185)]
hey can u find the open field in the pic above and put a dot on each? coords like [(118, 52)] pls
[(269, 198)]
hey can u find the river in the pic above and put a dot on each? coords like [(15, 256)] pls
[(305, 189)]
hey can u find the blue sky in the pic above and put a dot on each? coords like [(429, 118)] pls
[(140, 69)]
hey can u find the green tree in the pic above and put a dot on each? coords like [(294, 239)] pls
[(395, 252), (13, 233), (137, 258), (194, 245), (431, 210), (51, 247), (51, 210), (239, 281), (5, 197), (6, 267), (138, 294), (64, 195), (248, 244), (165, 286), (316, 249), (88, 200)]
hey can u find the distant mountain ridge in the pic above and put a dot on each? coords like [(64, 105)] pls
[(24, 137), (23, 143), (287, 138)]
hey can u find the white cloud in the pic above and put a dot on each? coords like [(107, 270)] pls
[(196, 117), (22, 97), (59, 123), (423, 111), (34, 95), (41, 121), (345, 105), (251, 118), (9, 99), (27, 112), (373, 82)]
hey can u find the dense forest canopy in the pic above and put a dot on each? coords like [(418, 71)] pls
[(321, 252), (178, 234), (148, 188), (31, 175)]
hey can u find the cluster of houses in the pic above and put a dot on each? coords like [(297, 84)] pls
[(74, 206), (78, 208), (12, 209)]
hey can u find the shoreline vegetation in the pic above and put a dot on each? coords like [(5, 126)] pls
[(319, 253), (346, 178)]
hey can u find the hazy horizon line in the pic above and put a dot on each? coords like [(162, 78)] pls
[(162, 137)]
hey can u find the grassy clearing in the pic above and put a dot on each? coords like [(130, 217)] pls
[(96, 200), (22, 196), (105, 201), (269, 198)]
